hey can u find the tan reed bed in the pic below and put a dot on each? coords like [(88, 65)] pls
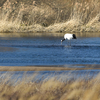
[(59, 16), (50, 89)]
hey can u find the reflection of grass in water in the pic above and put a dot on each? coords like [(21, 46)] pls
[(87, 34), (49, 89), (4, 49)]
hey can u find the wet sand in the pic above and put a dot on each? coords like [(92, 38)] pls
[(47, 68)]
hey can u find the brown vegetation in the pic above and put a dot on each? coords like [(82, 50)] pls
[(49, 16), (49, 89)]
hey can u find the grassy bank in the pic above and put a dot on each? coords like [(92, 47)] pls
[(49, 16), (49, 89)]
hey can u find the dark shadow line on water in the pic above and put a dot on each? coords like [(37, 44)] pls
[(50, 45)]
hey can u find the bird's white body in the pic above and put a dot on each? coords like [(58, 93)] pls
[(68, 36)]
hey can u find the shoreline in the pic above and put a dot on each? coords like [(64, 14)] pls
[(46, 68), (50, 34)]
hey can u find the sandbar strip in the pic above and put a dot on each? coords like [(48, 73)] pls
[(42, 68)]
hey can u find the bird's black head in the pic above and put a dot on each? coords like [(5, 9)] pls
[(74, 36), (62, 40)]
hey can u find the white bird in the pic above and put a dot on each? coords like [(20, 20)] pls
[(68, 36)]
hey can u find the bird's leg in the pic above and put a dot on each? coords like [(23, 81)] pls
[(67, 43), (70, 42)]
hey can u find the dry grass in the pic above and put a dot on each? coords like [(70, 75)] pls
[(49, 16), (49, 89)]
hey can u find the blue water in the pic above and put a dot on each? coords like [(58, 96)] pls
[(48, 51)]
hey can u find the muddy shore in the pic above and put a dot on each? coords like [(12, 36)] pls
[(48, 68)]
